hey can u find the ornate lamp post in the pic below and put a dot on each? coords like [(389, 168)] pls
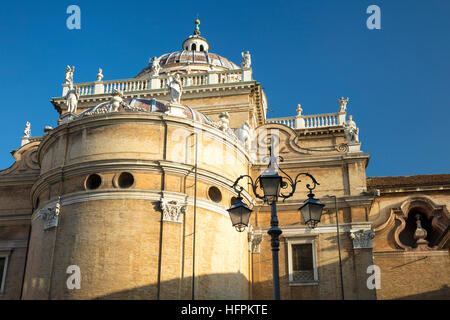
[(272, 185)]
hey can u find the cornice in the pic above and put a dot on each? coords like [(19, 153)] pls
[(12, 244), (135, 165), (342, 202), (15, 219), (323, 160), (413, 189), (292, 231), (126, 117), (188, 93), (149, 195), (412, 254), (19, 179)]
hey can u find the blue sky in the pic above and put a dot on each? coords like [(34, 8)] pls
[(308, 52)]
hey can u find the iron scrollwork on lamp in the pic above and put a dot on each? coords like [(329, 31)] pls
[(273, 185)]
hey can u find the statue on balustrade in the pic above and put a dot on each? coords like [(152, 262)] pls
[(246, 60), (72, 97), (351, 130), (154, 72), (27, 130), (175, 88), (100, 74), (69, 74), (343, 103)]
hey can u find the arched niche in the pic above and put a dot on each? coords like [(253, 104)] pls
[(434, 218)]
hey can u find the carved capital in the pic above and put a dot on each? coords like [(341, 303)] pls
[(172, 211), (50, 215), (254, 241), (362, 239)]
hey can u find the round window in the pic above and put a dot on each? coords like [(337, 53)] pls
[(125, 180), (93, 181), (215, 194)]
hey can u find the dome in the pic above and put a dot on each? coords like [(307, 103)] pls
[(149, 106), (202, 57), (195, 60), (195, 57)]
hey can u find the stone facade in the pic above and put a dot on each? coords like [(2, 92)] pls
[(134, 190)]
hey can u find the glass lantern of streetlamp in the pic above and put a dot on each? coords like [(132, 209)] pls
[(271, 184), (239, 214), (311, 211)]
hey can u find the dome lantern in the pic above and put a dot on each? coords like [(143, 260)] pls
[(196, 42)]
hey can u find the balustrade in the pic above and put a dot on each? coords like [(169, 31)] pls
[(187, 80), (310, 121)]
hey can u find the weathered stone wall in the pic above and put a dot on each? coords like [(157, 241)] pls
[(115, 234), (411, 273), (414, 275), (15, 211)]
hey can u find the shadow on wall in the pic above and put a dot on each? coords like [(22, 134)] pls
[(225, 286), (441, 294), (235, 286)]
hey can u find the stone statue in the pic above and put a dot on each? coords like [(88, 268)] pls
[(420, 234), (244, 134), (224, 121), (27, 131), (116, 101), (99, 74), (154, 72), (299, 110), (175, 88), (351, 131), (69, 74), (72, 97), (343, 103), (246, 60)]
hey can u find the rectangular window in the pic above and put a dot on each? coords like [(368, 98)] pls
[(302, 261), (303, 265), (2, 273)]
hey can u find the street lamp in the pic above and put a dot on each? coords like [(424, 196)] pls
[(311, 210), (239, 213), (272, 184)]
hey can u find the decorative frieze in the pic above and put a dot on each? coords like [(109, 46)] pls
[(362, 239), (172, 210)]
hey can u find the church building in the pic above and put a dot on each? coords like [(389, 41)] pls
[(127, 197)]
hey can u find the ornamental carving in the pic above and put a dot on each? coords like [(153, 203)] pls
[(437, 215), (50, 215), (343, 147), (362, 239), (254, 241), (172, 210), (26, 160)]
